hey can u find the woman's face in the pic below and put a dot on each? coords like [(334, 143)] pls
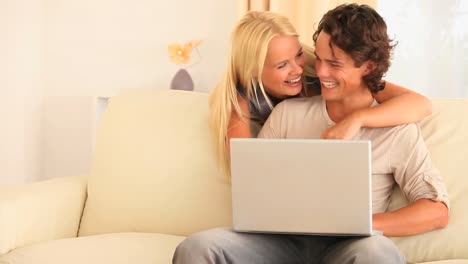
[(284, 64)]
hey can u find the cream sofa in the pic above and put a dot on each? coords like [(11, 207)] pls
[(154, 180)]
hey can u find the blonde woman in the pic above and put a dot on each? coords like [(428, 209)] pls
[(268, 64)]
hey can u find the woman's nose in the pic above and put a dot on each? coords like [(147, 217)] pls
[(297, 69)]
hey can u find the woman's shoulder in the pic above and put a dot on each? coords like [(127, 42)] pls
[(243, 104)]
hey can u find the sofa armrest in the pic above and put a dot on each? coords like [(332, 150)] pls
[(40, 211)]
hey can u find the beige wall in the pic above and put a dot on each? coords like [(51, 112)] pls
[(61, 54), (304, 14)]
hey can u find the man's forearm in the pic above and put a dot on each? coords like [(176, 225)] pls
[(421, 216)]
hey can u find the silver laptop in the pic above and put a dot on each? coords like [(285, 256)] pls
[(302, 186)]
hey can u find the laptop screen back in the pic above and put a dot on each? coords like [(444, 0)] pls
[(306, 186)]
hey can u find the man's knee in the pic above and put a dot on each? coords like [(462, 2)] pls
[(376, 249), (203, 246)]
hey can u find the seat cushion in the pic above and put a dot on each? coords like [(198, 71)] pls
[(118, 248), (452, 261)]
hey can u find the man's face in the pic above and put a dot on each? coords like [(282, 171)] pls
[(339, 77)]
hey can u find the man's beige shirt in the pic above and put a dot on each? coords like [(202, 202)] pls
[(399, 154)]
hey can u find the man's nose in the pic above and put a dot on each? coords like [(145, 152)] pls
[(321, 69)]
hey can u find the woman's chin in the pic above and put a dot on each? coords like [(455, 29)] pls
[(286, 91), (293, 91)]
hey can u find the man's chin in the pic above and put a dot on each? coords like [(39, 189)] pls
[(329, 97), (328, 92)]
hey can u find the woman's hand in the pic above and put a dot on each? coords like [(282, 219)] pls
[(345, 129)]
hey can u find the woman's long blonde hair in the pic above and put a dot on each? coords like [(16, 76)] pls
[(248, 51)]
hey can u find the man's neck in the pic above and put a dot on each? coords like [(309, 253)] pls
[(338, 110)]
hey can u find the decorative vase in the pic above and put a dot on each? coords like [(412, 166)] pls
[(182, 81)]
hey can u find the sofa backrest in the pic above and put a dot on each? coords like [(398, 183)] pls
[(154, 168), (446, 134)]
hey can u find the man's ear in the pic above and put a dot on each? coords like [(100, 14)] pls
[(370, 67)]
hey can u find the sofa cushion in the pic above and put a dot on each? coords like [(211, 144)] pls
[(119, 248), (446, 134), (154, 168), (451, 261), (40, 211)]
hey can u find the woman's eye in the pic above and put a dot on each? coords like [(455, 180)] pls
[(282, 65), (300, 54)]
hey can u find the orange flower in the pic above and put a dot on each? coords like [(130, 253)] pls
[(181, 54)]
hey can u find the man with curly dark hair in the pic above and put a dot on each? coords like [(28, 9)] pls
[(353, 51), (361, 33)]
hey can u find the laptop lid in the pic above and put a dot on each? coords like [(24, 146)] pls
[(304, 186)]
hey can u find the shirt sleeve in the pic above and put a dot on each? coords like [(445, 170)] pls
[(413, 168), (273, 125)]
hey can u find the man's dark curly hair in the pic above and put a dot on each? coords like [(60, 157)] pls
[(362, 33)]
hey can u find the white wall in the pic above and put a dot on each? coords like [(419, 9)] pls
[(61, 54), (57, 55), (432, 52), (21, 86), (101, 47), (68, 135), (20, 139)]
